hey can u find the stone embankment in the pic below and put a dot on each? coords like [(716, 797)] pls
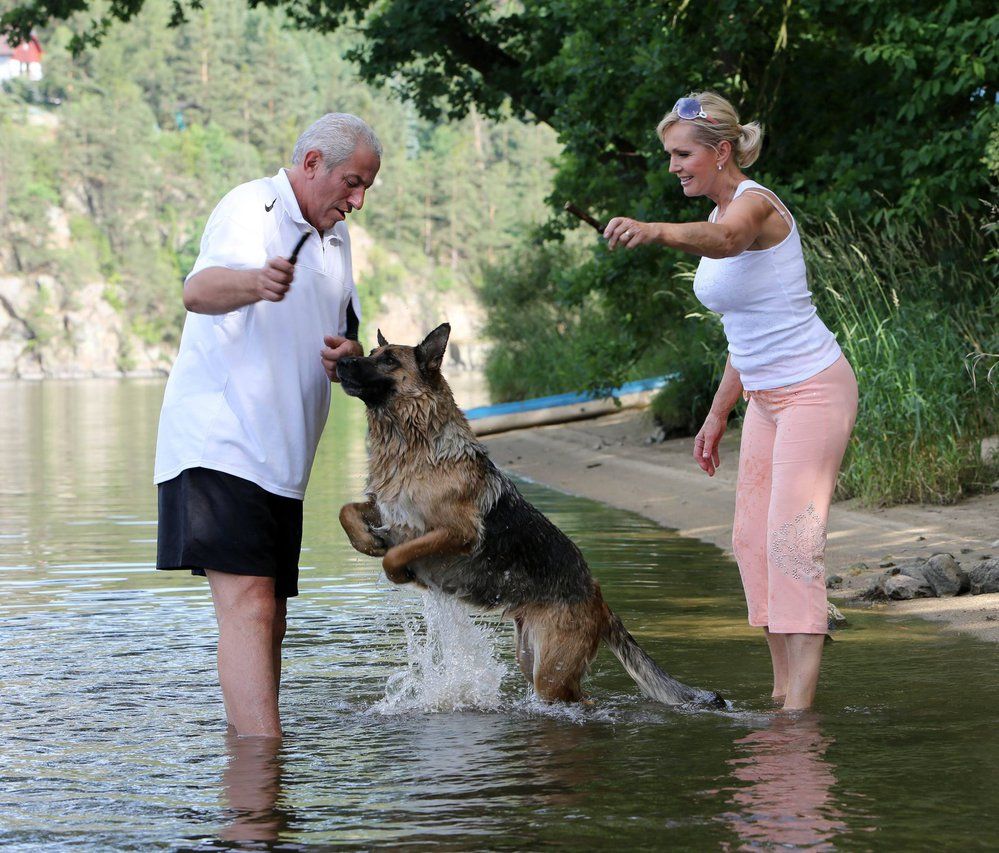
[(939, 576), (50, 329)]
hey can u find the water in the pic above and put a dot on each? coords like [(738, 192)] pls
[(113, 732)]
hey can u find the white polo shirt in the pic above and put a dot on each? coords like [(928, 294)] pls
[(248, 394)]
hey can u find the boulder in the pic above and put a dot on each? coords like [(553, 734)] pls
[(904, 588), (875, 590), (913, 568), (834, 582), (945, 575), (983, 577), (941, 573), (834, 617)]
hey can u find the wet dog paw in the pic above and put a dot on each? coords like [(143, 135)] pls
[(375, 546)]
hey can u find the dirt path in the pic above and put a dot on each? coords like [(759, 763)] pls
[(609, 460)]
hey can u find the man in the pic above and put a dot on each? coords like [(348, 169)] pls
[(249, 394)]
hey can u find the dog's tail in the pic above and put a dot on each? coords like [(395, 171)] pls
[(654, 682)]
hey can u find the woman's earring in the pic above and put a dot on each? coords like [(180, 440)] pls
[(719, 167)]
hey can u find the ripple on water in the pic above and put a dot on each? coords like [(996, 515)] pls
[(408, 722)]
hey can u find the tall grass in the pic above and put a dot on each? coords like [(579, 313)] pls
[(912, 308)]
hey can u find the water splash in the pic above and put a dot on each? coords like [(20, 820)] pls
[(452, 662)]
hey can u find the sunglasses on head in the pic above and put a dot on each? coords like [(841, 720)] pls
[(690, 108)]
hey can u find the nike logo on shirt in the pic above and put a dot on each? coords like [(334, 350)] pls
[(268, 207)]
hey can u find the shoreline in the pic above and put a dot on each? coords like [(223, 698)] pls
[(610, 459)]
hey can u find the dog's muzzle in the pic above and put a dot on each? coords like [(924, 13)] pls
[(346, 371)]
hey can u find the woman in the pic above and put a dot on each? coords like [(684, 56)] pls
[(801, 390)]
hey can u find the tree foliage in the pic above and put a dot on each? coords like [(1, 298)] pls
[(134, 141), (878, 110), (877, 107)]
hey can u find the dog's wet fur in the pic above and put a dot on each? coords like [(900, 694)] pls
[(441, 515)]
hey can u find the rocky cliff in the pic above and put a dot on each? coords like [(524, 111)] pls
[(51, 330)]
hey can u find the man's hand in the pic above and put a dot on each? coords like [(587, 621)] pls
[(219, 290), (707, 441), (273, 281), (335, 349)]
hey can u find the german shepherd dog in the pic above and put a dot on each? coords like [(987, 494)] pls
[(441, 515)]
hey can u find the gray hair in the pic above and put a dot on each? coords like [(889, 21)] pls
[(336, 136)]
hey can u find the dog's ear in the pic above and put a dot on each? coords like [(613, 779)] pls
[(381, 339), (430, 353)]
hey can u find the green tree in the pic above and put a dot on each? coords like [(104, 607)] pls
[(146, 132), (879, 110)]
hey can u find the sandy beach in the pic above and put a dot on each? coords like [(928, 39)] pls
[(610, 459)]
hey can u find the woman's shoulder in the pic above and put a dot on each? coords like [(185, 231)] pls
[(748, 184), (757, 190)]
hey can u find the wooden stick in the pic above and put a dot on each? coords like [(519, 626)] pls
[(298, 247), (582, 214)]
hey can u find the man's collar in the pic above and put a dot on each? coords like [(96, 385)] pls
[(290, 202), (288, 199)]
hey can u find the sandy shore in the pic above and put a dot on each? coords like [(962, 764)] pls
[(608, 459)]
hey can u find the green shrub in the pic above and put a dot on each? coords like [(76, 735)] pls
[(546, 341), (697, 352)]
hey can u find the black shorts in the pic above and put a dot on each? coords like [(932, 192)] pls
[(212, 520)]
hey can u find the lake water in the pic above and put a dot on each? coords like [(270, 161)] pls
[(409, 725)]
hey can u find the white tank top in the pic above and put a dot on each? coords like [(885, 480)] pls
[(774, 334)]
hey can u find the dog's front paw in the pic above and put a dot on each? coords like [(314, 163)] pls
[(360, 522), (400, 576), (395, 569), (373, 545), (367, 543), (398, 571)]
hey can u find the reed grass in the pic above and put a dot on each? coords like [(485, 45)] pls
[(914, 309)]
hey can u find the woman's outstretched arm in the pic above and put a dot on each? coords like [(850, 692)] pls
[(739, 229)]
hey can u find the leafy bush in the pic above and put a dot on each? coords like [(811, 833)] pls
[(547, 340), (697, 354)]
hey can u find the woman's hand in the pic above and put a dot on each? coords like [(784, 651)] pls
[(629, 232), (707, 441)]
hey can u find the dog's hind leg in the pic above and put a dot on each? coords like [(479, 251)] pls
[(525, 648), (566, 645), (559, 672)]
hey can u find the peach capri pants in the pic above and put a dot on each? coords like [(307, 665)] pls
[(793, 440)]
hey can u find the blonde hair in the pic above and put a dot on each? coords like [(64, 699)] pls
[(746, 139)]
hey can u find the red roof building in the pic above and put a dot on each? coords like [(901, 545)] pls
[(22, 60)]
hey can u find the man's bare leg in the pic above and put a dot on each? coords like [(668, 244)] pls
[(247, 614), (251, 786), (277, 637)]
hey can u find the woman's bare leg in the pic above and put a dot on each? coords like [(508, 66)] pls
[(804, 655), (778, 657)]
